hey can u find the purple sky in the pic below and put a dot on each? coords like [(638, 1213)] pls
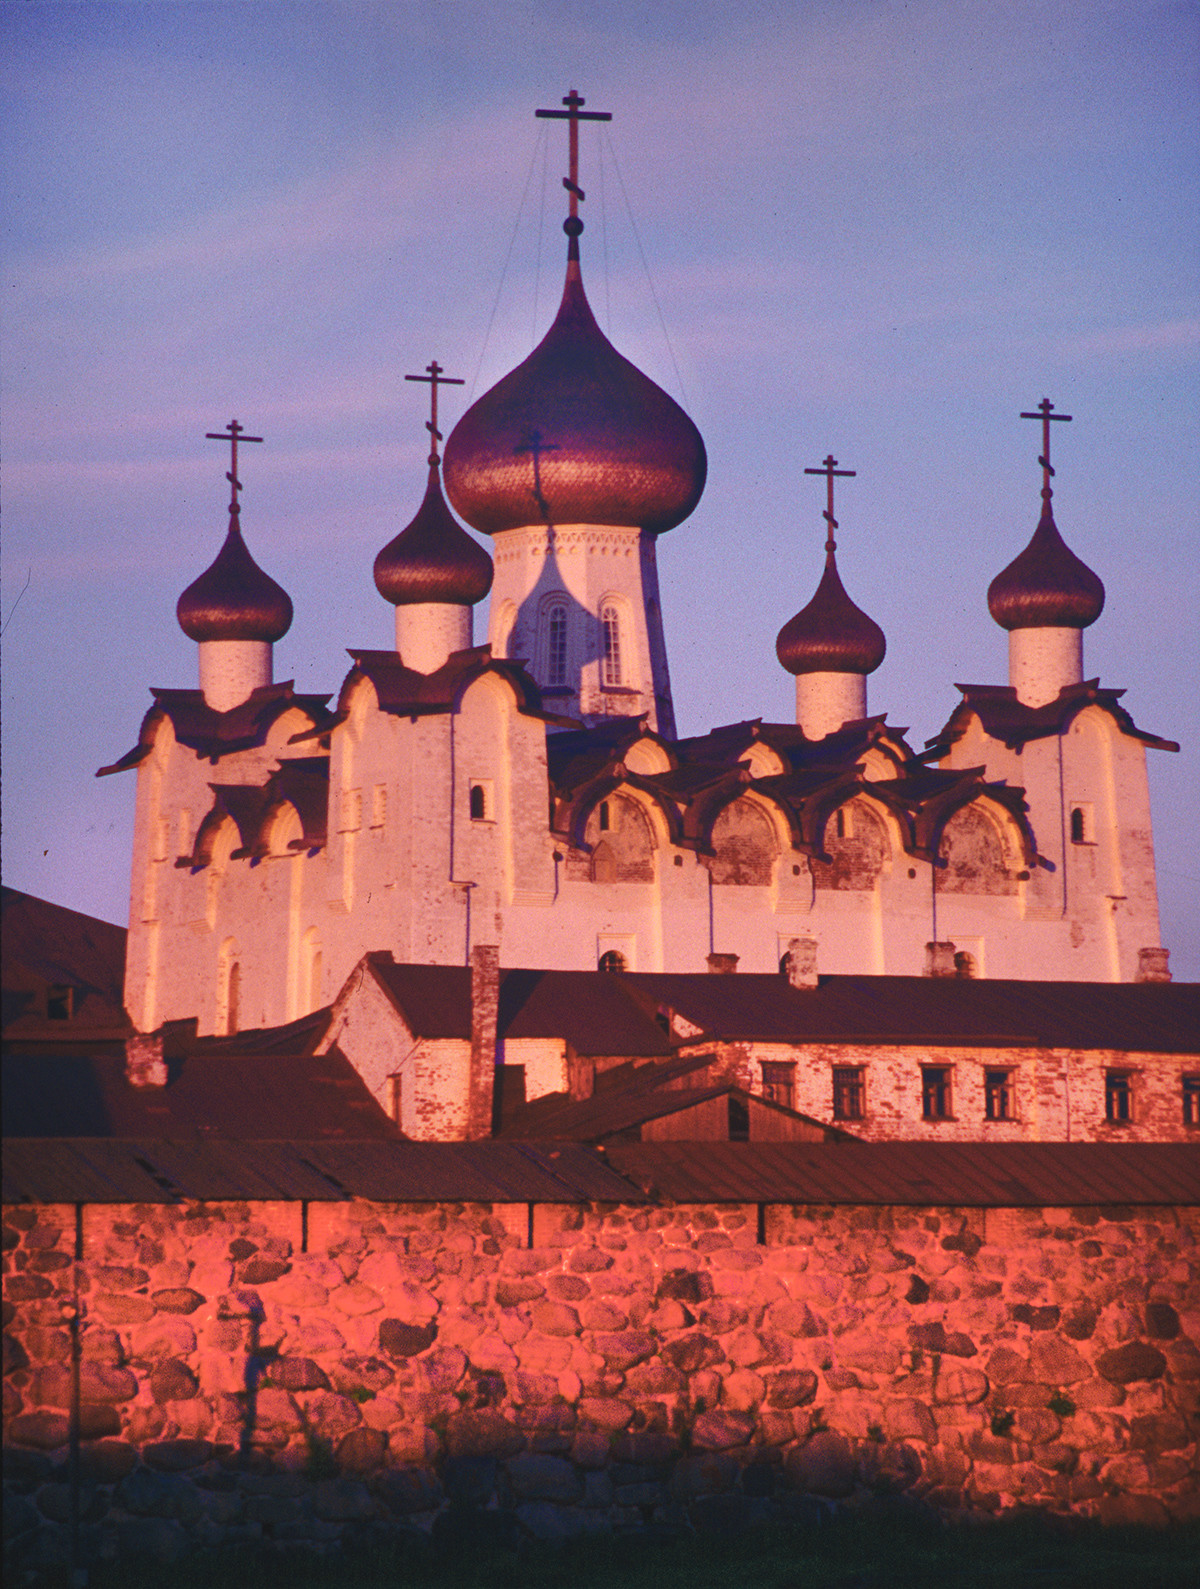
[(876, 229)]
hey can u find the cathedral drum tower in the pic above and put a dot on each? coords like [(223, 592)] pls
[(575, 462)]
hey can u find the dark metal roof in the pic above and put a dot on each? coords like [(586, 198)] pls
[(915, 1174), (229, 1095), (434, 559), (215, 734), (831, 634), (405, 693), (1141, 1017), (165, 1171), (985, 1175), (234, 599), (48, 945), (1046, 586), (1014, 724)]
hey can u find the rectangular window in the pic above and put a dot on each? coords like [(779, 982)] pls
[(60, 1002), (1118, 1096), (935, 1092), (999, 1095), (849, 1100), (611, 623), (556, 646), (779, 1083), (1191, 1100)]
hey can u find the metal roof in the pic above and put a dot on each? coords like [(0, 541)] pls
[(968, 1174), (915, 1174)]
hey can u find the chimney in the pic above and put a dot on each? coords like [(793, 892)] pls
[(722, 965), (1152, 965), (485, 1002), (800, 962), (939, 960), (144, 1062)]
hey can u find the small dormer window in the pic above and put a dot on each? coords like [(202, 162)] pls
[(60, 1001)]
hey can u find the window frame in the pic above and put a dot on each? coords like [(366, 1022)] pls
[(1118, 1097), (939, 1092), (1005, 1089), (779, 1082), (849, 1092)]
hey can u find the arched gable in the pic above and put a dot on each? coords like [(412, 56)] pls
[(978, 851), (857, 840), (745, 843), (620, 840)]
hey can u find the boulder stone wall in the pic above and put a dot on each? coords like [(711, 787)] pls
[(322, 1373)]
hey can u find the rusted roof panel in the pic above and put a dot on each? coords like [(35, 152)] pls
[(996, 1175)]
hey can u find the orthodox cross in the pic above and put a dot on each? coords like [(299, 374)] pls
[(232, 434), (534, 444), (574, 114), (829, 469), (431, 380), (1045, 412)]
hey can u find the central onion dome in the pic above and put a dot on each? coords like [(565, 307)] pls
[(1046, 586), (831, 634), (434, 559), (575, 435), (233, 599)]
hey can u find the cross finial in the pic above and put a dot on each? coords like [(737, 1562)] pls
[(830, 469), (232, 434), (432, 380), (574, 114), (1045, 412)]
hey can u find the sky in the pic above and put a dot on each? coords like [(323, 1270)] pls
[(866, 227)]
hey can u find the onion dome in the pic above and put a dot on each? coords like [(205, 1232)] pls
[(831, 634), (1046, 586), (434, 559), (575, 435), (233, 599)]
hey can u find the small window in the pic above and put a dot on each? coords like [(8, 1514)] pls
[(60, 1002), (481, 801), (611, 623), (843, 823), (935, 1092), (739, 1119), (1082, 824), (233, 998), (604, 816), (556, 646), (779, 1083), (1191, 1100), (1118, 1097), (848, 1092), (612, 960), (999, 1100), (394, 1098)]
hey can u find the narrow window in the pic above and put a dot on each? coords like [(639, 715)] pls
[(612, 960), (1078, 825), (935, 1092), (556, 646), (840, 824), (59, 1002), (779, 1083), (1191, 1100), (611, 624), (604, 816), (848, 1092), (739, 1119), (394, 1099), (478, 803), (233, 993), (1118, 1097), (998, 1095)]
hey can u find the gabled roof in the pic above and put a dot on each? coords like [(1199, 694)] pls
[(216, 734), (262, 1093), (402, 692), (300, 781), (1014, 724)]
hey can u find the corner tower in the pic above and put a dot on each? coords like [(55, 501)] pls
[(576, 462)]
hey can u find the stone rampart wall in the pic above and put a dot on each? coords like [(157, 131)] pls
[(312, 1373)]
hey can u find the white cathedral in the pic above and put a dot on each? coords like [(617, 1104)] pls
[(532, 794)]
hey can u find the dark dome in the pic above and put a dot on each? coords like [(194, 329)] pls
[(434, 559), (233, 599), (575, 435), (1046, 586), (831, 635)]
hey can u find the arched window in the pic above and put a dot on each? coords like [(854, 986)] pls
[(610, 622), (1078, 826), (612, 960), (556, 645), (478, 802)]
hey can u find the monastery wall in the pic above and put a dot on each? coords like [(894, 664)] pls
[(299, 1373)]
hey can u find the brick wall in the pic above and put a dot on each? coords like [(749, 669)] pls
[(270, 1371)]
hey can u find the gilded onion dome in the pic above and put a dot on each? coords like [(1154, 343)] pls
[(575, 435), (233, 599), (1046, 586), (831, 634), (434, 559)]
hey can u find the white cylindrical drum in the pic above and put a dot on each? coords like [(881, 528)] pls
[(824, 701), (427, 632), (231, 670), (1042, 661)]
